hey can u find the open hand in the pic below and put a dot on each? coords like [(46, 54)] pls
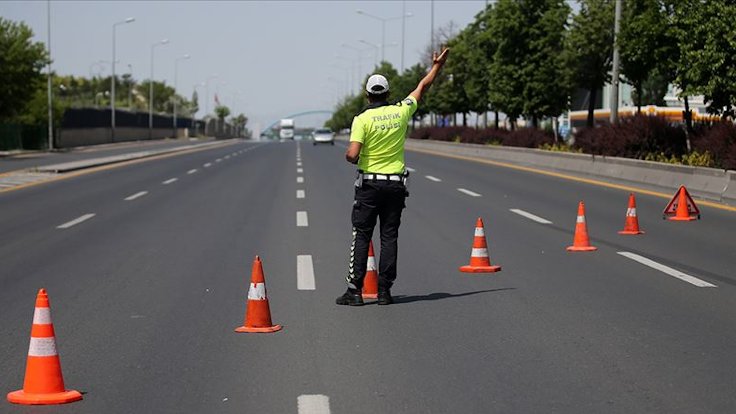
[(441, 58)]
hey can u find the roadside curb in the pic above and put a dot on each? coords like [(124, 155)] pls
[(113, 159), (16, 180)]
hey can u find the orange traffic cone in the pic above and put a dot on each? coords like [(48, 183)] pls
[(631, 225), (370, 283), (581, 243), (43, 383), (479, 260), (257, 312)]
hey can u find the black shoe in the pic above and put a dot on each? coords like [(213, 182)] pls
[(384, 297), (350, 297)]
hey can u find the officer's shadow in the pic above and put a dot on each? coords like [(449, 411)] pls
[(441, 295)]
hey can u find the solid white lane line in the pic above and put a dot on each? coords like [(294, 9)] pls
[(313, 404), (300, 194), (300, 179), (666, 269), (209, 164), (192, 171), (410, 169), (468, 192), (530, 216), (301, 219), (76, 221), (136, 195), (169, 181), (299, 170), (304, 272), (435, 179)]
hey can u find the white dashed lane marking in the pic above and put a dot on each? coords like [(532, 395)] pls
[(410, 169), (136, 195), (299, 164), (218, 160), (530, 216), (208, 165), (435, 179), (313, 404), (468, 192), (76, 221), (666, 269), (299, 170), (169, 181), (305, 272), (192, 171), (300, 194), (302, 219), (299, 179)]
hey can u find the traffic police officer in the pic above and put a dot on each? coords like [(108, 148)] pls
[(377, 147)]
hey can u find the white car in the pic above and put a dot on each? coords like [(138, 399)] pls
[(323, 136)]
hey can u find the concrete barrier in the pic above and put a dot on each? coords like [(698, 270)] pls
[(706, 183), (729, 193)]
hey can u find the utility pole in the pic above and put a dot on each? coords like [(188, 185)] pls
[(614, 84), (403, 32), (431, 41), (48, 86)]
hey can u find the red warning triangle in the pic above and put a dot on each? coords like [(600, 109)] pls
[(681, 207)]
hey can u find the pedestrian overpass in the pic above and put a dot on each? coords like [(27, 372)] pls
[(297, 115)]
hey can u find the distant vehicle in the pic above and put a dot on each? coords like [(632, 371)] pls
[(323, 136), (286, 129)]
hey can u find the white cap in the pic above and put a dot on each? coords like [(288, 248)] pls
[(377, 84)]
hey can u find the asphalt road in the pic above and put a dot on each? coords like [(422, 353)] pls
[(35, 159), (146, 293)]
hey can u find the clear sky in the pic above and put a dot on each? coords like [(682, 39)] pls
[(271, 58)]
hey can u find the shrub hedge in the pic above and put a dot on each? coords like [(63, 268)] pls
[(526, 137), (640, 137)]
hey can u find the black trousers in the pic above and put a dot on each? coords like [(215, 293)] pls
[(382, 200)]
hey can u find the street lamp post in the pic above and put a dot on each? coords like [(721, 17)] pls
[(359, 54), (207, 92), (176, 63), (383, 21), (150, 89), (130, 86), (194, 89), (112, 81), (375, 47), (48, 86)]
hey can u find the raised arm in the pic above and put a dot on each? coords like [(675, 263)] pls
[(437, 62)]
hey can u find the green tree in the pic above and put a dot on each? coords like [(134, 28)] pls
[(645, 42), (480, 48), (21, 61), (589, 49), (239, 121), (222, 112), (545, 90), (706, 37), (506, 85), (345, 111), (162, 95)]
